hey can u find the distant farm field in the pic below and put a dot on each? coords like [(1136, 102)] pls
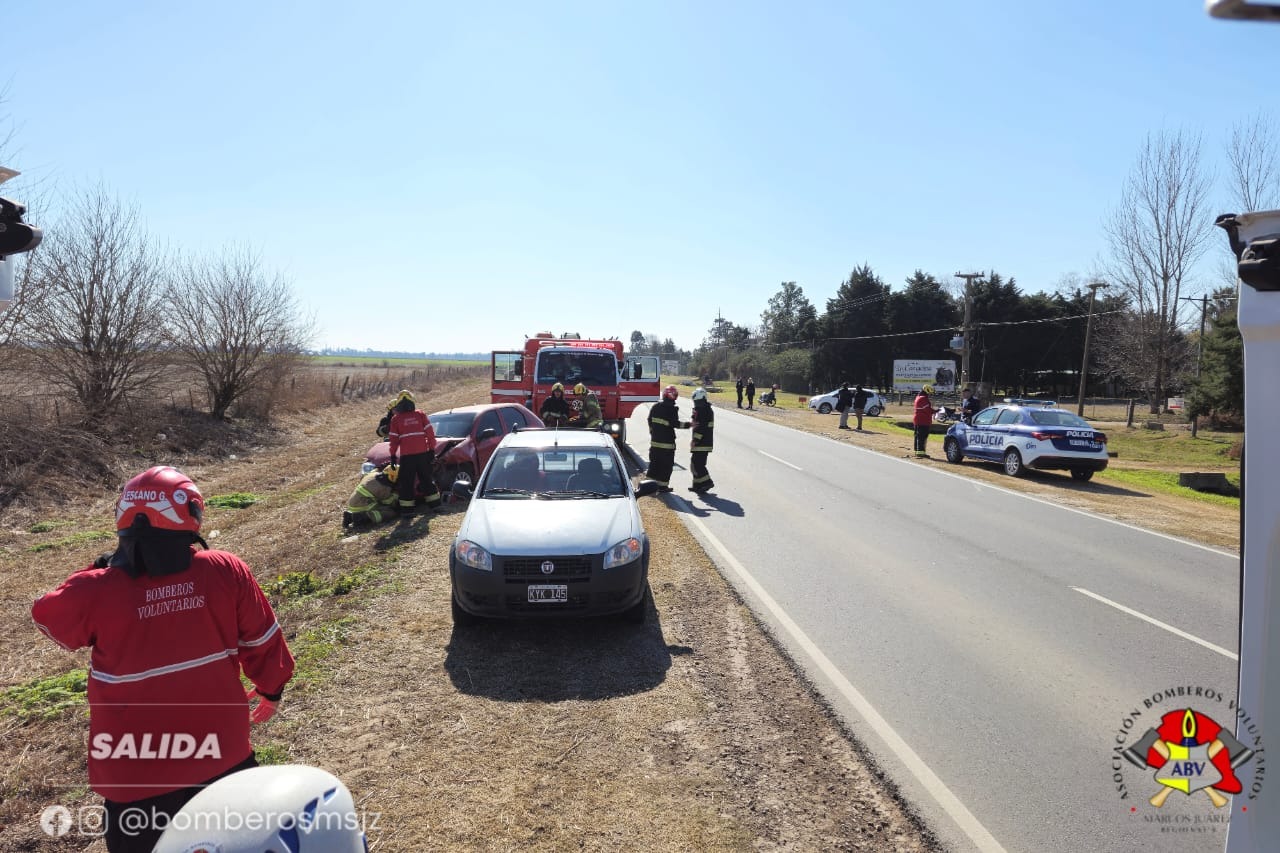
[(363, 361)]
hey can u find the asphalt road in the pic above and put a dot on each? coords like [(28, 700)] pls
[(986, 647)]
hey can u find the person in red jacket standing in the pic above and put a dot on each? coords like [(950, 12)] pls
[(414, 439), (922, 419), (170, 628)]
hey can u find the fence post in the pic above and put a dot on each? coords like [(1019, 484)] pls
[(1129, 420)]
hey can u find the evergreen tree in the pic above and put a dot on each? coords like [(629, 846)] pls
[(1220, 388)]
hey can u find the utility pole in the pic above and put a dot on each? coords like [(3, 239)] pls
[(969, 278), (1204, 310), (1088, 334)]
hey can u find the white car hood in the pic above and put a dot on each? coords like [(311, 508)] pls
[(520, 526)]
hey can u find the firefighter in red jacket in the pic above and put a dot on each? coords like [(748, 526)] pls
[(413, 439), (171, 628)]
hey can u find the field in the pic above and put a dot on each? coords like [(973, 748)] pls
[(365, 362)]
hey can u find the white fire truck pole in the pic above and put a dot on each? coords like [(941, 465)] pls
[(1255, 813)]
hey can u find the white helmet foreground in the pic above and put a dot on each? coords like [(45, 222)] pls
[(287, 807)]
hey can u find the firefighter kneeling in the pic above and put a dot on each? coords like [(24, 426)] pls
[(374, 499)]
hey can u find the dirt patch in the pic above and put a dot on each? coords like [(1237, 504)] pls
[(1206, 523)]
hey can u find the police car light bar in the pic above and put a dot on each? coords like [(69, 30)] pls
[(1244, 10), (1020, 401)]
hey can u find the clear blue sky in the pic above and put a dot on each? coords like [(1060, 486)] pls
[(456, 176)]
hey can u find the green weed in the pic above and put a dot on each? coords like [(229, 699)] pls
[(235, 500), (271, 752), (312, 647), (295, 585), (350, 581), (45, 698), (74, 539), (46, 526)]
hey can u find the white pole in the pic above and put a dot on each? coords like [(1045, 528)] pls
[(6, 283)]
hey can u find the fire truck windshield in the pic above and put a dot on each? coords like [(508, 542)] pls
[(591, 368)]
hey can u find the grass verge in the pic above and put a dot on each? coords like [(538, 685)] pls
[(1166, 482)]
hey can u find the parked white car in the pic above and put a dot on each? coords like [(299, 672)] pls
[(826, 403), (553, 529)]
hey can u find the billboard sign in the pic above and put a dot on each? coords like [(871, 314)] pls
[(911, 374)]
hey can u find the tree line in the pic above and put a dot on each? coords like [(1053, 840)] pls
[(1147, 341)]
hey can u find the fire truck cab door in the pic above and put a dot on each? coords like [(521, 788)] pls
[(645, 367), (508, 378)]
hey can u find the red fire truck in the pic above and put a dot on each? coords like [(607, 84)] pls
[(621, 382)]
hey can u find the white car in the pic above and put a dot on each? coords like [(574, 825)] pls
[(826, 403), (553, 529)]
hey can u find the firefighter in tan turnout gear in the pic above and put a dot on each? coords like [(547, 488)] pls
[(374, 499), (664, 420)]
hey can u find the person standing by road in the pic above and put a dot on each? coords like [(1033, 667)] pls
[(703, 425), (844, 402), (751, 393), (740, 388), (922, 419), (555, 410), (664, 420), (969, 406), (414, 439), (860, 397), (170, 629)]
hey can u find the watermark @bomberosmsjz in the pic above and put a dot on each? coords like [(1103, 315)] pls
[(58, 821), (1185, 758)]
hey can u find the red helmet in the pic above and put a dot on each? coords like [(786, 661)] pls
[(165, 496), (670, 392)]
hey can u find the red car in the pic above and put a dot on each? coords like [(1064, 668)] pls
[(465, 439)]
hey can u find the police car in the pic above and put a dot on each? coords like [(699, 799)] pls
[(1022, 434)]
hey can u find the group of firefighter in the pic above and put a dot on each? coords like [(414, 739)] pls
[(392, 490)]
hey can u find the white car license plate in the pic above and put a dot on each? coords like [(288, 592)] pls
[(549, 592)]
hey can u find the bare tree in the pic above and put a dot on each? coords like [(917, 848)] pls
[(238, 326), (96, 330), (1254, 157), (1156, 234)]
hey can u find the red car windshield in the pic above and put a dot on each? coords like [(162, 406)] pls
[(452, 424)]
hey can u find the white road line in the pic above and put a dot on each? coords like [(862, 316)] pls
[(941, 794), (776, 459), (1172, 630)]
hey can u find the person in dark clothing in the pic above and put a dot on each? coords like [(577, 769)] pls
[(664, 420), (740, 388), (844, 402), (555, 411), (860, 397), (751, 393), (384, 425), (414, 439), (703, 426), (969, 406)]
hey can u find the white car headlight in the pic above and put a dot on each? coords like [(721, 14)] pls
[(626, 551), (471, 554)]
